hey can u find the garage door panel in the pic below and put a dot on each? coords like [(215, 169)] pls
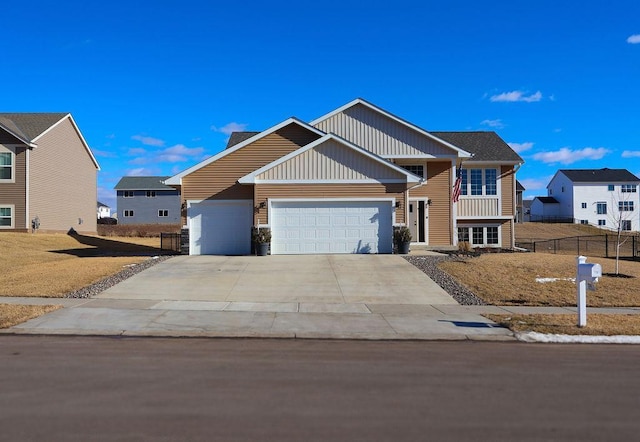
[(220, 227), (331, 227)]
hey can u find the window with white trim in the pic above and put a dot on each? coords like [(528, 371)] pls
[(479, 182), (584, 205), (611, 187), (625, 206), (127, 193), (416, 169), (7, 165), (602, 222), (480, 236), (601, 208), (163, 213), (6, 217), (628, 188), (584, 221), (151, 193), (128, 213)]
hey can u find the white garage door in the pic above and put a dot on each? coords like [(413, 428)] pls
[(331, 227), (220, 227)]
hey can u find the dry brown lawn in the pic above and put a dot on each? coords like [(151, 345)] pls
[(597, 324), (11, 314), (51, 265), (527, 232), (510, 279)]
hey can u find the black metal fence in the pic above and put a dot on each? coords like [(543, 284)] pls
[(590, 245), (170, 241)]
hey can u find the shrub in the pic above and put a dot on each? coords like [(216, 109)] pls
[(137, 230)]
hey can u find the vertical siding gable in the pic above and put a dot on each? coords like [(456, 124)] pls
[(218, 180), (330, 161), (380, 134)]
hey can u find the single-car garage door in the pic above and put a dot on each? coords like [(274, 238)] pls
[(220, 227), (331, 227)]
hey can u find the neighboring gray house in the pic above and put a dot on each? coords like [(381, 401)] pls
[(146, 200)]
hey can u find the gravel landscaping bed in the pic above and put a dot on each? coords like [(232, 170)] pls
[(110, 281), (429, 265)]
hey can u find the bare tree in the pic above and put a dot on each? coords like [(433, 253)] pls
[(622, 213)]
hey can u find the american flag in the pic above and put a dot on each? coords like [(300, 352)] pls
[(456, 186)]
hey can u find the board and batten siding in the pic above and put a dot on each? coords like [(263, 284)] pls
[(438, 190), (15, 193), (263, 192), (380, 134), (62, 182), (332, 161), (219, 179)]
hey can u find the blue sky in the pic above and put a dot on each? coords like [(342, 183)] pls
[(156, 86)]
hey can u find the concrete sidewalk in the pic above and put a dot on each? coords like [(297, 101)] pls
[(117, 317)]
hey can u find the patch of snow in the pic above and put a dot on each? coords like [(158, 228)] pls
[(576, 339), (545, 280)]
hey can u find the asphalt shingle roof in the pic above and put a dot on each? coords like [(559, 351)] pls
[(547, 199), (142, 183), (30, 124), (239, 137), (484, 145), (604, 175), (519, 187)]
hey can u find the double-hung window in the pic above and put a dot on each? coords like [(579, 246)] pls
[(127, 194), (151, 193), (6, 217), (479, 182), (601, 208), (163, 213), (625, 206), (628, 188), (7, 164), (479, 235)]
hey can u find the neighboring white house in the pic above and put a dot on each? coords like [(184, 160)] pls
[(104, 211), (601, 197)]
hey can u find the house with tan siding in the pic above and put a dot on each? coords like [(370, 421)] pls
[(47, 174), (340, 183)]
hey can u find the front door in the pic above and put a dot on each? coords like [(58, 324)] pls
[(418, 220)]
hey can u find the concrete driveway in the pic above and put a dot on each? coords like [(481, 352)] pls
[(310, 279)]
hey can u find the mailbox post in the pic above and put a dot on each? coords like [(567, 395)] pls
[(586, 278)]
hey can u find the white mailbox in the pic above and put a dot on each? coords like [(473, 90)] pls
[(586, 279)]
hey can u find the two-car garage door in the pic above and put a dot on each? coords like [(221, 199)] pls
[(331, 227)]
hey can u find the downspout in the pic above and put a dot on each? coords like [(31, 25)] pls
[(27, 214)]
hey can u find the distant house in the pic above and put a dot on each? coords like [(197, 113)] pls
[(47, 174), (519, 206), (104, 211), (602, 197), (146, 200)]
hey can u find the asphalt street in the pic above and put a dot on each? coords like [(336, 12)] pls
[(60, 388)]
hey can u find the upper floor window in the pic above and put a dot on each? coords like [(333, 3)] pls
[(625, 206), (416, 169), (151, 193), (584, 205), (6, 166), (479, 182), (127, 194), (601, 208), (611, 187), (128, 213), (628, 188)]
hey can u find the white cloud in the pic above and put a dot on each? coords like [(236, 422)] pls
[(136, 151), (568, 156), (516, 96), (141, 171), (521, 147), (230, 127), (634, 39), (532, 184), (179, 153), (103, 153), (498, 124), (148, 141), (631, 154)]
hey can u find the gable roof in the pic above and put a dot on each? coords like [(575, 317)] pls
[(30, 126), (410, 177), (239, 137), (142, 183), (359, 101), (484, 145), (599, 175), (519, 187), (177, 179), (102, 205), (547, 200)]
